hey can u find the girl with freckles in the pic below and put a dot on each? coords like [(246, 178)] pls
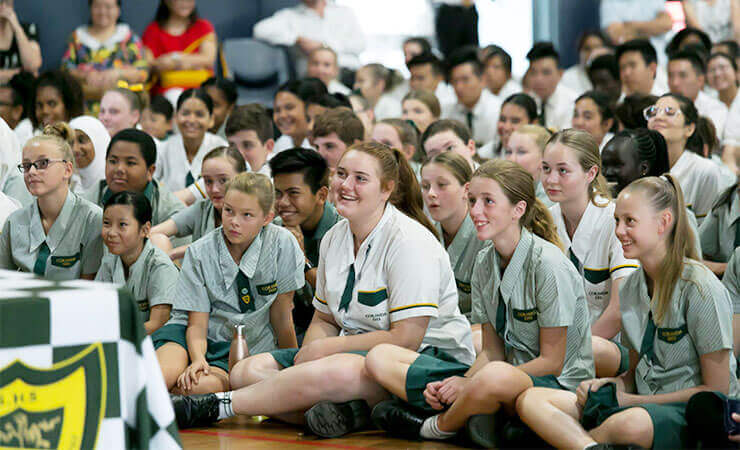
[(383, 281), (677, 325)]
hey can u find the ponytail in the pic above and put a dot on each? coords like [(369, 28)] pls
[(665, 193), (518, 185), (394, 168)]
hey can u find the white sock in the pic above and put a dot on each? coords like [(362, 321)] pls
[(224, 405), (430, 430), (590, 445)]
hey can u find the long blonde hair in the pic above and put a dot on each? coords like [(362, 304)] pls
[(587, 152), (518, 185), (665, 193)]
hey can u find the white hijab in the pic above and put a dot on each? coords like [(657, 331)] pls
[(10, 150), (95, 130)]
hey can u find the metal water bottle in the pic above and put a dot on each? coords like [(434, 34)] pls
[(238, 349)]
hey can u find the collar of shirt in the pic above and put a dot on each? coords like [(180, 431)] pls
[(56, 232), (735, 206), (364, 250), (328, 220), (462, 237), (248, 263), (582, 241), (137, 269), (485, 98), (515, 269)]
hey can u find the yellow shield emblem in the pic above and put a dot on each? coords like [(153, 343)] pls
[(59, 407)]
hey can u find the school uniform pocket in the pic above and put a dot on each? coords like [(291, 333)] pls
[(372, 298), (64, 267), (65, 261), (267, 288)]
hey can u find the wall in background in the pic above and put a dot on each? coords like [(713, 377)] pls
[(56, 19)]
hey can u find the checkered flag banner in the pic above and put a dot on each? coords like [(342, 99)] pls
[(77, 369)]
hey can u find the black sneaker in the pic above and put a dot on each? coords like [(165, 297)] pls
[(480, 429), (397, 419), (192, 411), (333, 420)]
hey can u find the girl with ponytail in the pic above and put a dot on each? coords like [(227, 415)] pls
[(375, 82), (584, 218), (677, 327), (530, 302), (383, 281)]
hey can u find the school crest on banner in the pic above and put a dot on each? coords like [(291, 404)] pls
[(59, 407)]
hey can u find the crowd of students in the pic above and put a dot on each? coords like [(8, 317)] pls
[(459, 251)]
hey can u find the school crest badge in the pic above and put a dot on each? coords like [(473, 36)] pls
[(58, 407)]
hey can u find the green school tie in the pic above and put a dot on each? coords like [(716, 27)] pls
[(40, 267), (574, 259), (501, 315), (646, 347), (189, 179), (348, 288), (244, 293), (469, 118)]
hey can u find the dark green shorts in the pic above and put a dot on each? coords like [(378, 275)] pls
[(548, 381), (431, 365), (217, 353), (624, 359), (285, 356), (669, 420)]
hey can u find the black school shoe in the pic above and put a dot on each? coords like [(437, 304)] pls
[(333, 420), (397, 419), (480, 429), (193, 411)]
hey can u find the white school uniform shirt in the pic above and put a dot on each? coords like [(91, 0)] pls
[(607, 137), (596, 253), (576, 79), (485, 116), (445, 93), (285, 142), (24, 131), (7, 206), (559, 107), (713, 109), (700, 182), (172, 162), (337, 29), (731, 133), (660, 86), (401, 271), (388, 107), (509, 88), (335, 87)]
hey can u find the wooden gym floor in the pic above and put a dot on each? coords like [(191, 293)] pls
[(243, 432)]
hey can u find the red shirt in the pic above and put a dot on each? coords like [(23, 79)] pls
[(160, 42)]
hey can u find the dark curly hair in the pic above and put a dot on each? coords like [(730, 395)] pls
[(69, 89)]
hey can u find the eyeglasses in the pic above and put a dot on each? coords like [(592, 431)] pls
[(652, 111), (41, 164)]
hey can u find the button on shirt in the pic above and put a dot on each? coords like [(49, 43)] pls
[(719, 231), (700, 181), (73, 244), (484, 116), (337, 29), (401, 271), (597, 251), (172, 161), (208, 283), (698, 321), (151, 279), (539, 288), (463, 250)]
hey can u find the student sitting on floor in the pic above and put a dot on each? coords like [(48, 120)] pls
[(249, 130), (224, 94), (584, 216), (129, 166), (530, 302), (220, 166), (526, 147), (334, 132), (400, 134), (133, 262), (244, 272), (156, 119), (301, 179), (677, 324), (383, 278), (58, 235), (449, 135)]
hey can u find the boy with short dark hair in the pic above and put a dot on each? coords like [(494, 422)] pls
[(555, 101), (334, 131), (249, 130)]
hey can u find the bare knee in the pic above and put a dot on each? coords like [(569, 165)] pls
[(335, 374), (379, 360), (492, 382), (607, 357), (631, 426), (253, 370), (530, 400)]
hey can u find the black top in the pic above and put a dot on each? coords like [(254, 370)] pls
[(11, 58)]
